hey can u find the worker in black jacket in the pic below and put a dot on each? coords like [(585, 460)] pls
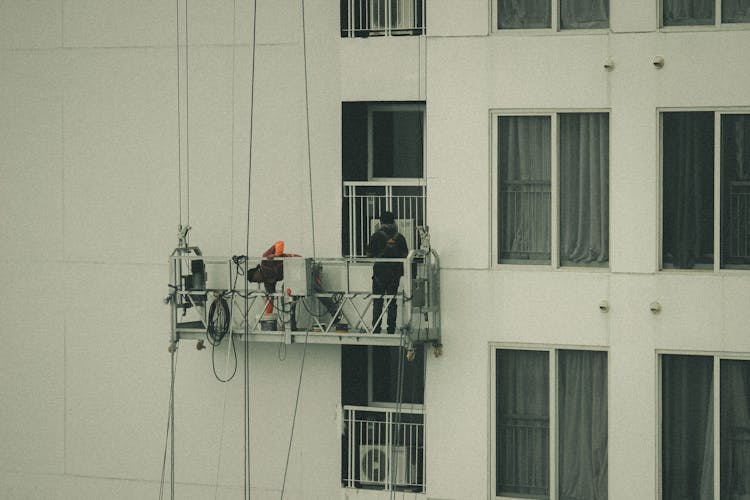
[(386, 243)]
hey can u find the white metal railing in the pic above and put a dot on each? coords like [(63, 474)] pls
[(384, 448), (522, 440), (384, 18), (739, 212), (364, 201), (526, 222)]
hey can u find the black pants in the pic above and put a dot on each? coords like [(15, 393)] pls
[(384, 286)]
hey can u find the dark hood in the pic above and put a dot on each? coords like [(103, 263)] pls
[(389, 229)]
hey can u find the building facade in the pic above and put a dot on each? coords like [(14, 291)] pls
[(583, 169)]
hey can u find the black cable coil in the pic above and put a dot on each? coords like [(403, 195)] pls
[(218, 320)]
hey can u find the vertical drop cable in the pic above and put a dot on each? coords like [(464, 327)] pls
[(187, 117), (294, 415), (170, 428), (312, 229), (307, 123), (179, 118), (231, 225), (171, 417), (247, 253)]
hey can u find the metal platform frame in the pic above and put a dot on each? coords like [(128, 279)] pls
[(418, 302)]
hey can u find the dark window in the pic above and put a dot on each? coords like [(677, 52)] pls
[(688, 189)]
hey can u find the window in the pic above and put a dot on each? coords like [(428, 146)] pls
[(550, 414), (383, 418), (541, 14), (704, 12), (382, 160), (689, 431), (552, 189), (363, 18), (691, 204)]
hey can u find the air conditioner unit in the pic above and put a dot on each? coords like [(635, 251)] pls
[(404, 226), (375, 460)]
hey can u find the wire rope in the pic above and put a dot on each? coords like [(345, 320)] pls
[(312, 231), (187, 115), (179, 118), (307, 124), (294, 415), (170, 428), (247, 252)]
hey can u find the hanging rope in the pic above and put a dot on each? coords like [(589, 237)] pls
[(170, 429), (312, 231), (247, 252), (294, 415), (307, 123), (187, 114), (179, 119)]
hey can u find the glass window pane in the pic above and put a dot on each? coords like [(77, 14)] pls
[(522, 420), (688, 12), (397, 144), (687, 427), (735, 11), (582, 423), (387, 364), (582, 14), (735, 429), (524, 202), (519, 14), (584, 189), (735, 191), (688, 189)]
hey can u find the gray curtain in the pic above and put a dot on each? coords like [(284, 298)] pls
[(519, 14), (688, 12), (735, 11), (688, 192), (584, 188), (687, 427), (524, 173), (522, 409), (735, 191), (584, 14), (582, 421), (735, 430)]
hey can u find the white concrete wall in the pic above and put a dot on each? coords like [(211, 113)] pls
[(89, 206)]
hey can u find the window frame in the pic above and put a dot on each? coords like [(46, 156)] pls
[(717, 357), (554, 28), (371, 382), (552, 356), (718, 113), (555, 263), (717, 25), (391, 107)]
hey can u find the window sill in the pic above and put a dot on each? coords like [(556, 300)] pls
[(550, 32), (707, 28), (548, 268)]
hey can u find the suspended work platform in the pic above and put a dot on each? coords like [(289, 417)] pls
[(297, 299)]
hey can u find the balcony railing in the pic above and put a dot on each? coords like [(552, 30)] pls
[(363, 18), (384, 448), (526, 220), (365, 201)]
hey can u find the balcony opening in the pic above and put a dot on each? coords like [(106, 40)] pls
[(365, 18), (382, 442), (382, 169)]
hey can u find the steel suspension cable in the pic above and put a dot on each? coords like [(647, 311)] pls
[(312, 232), (307, 124), (179, 117), (187, 116), (247, 253)]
